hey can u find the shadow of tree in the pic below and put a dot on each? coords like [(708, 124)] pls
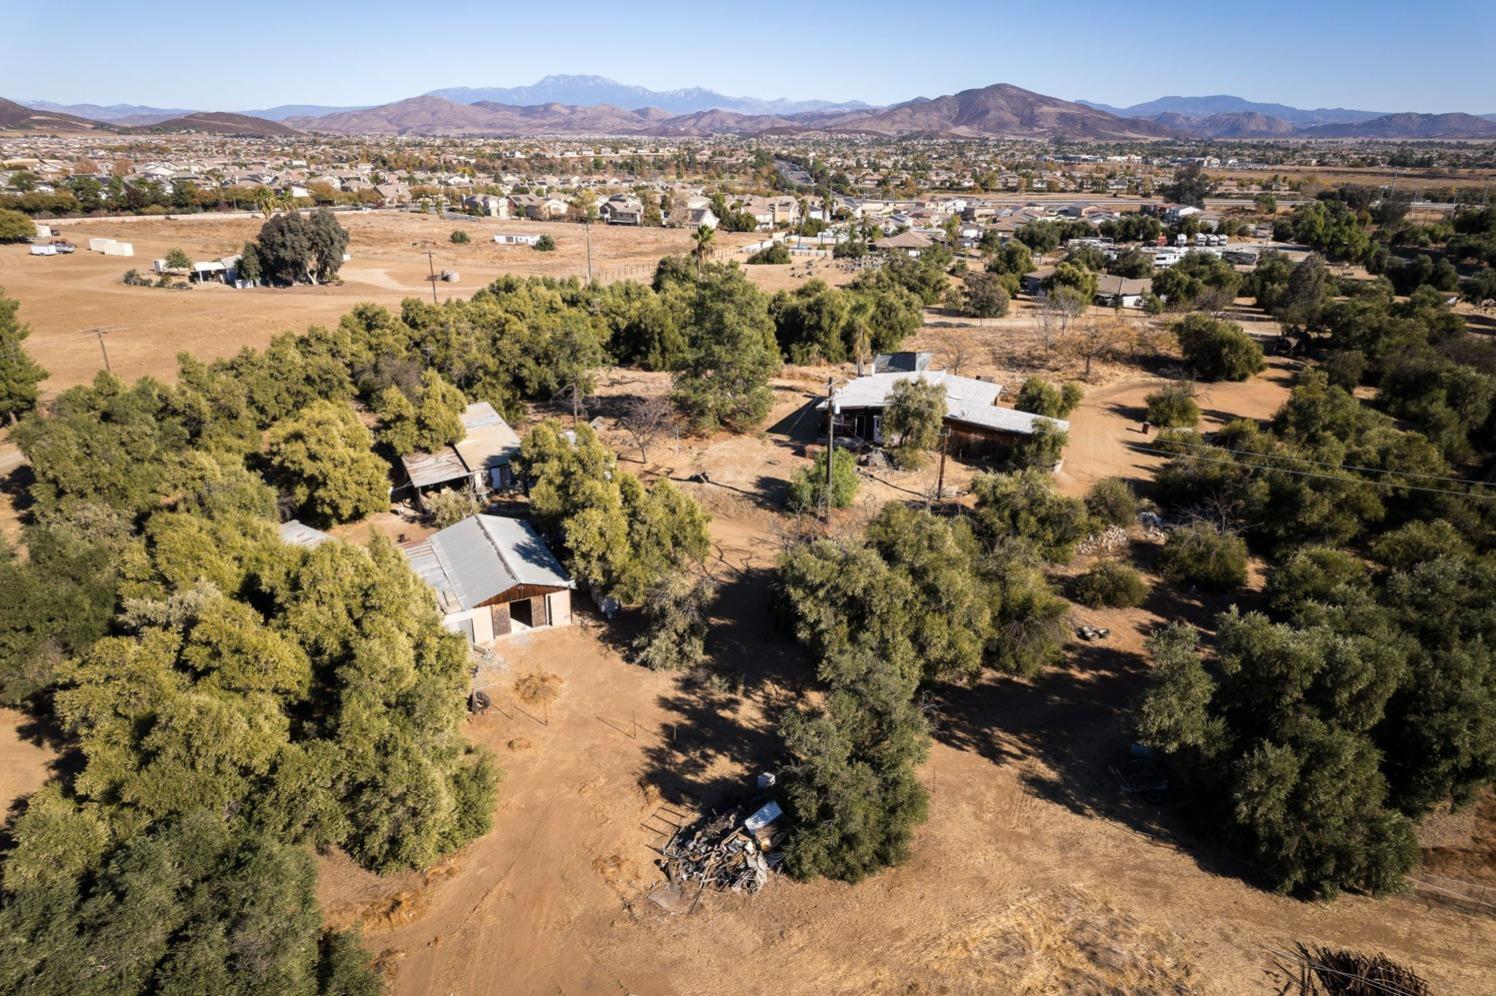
[(724, 717)]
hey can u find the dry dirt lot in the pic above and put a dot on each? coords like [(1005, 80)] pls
[(1034, 873), (64, 296)]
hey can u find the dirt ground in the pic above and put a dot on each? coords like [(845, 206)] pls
[(1034, 873), (63, 297)]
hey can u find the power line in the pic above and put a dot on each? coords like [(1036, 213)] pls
[(1332, 477), (1330, 463)]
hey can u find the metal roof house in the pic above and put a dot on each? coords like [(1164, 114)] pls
[(492, 576), (480, 460), (977, 426)]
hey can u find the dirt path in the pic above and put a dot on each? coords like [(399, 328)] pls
[(1106, 437)]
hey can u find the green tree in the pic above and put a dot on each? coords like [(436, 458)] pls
[(176, 259), (915, 413), (725, 384), (19, 374), (676, 627), (1028, 506), (1190, 186), (460, 237), (1204, 556), (545, 244), (323, 459), (15, 226), (1043, 398), (1040, 449), (808, 489), (193, 906), (983, 295), (1217, 349), (1173, 406)]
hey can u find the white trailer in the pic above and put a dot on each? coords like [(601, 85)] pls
[(44, 250)]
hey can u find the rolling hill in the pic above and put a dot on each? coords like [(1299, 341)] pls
[(19, 117), (1228, 124), (1221, 103), (219, 123), (998, 110), (1409, 126)]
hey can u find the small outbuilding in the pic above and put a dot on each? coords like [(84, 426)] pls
[(493, 576), (481, 461)]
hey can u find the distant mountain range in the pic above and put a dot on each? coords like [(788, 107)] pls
[(586, 91), (593, 105), (1204, 107)]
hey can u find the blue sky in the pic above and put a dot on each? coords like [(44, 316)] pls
[(1385, 55)]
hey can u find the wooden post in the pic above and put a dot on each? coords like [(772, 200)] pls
[(945, 435)]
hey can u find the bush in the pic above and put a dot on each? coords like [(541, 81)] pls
[(1041, 450), (545, 244), (1346, 368), (15, 226), (808, 490), (461, 238), (1029, 506), (1110, 584), (1216, 349), (1043, 398), (1173, 407), (1205, 557), (1111, 502), (445, 508), (776, 253)]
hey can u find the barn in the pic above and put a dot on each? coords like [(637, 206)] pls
[(493, 576)]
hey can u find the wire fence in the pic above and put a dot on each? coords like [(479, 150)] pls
[(1473, 897)]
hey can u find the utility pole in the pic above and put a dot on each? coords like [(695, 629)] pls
[(587, 228), (98, 332), (945, 435), (431, 265)]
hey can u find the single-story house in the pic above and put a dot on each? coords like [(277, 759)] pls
[(1121, 292), (977, 426), (537, 208), (480, 461), (516, 239), (911, 243), (493, 576)]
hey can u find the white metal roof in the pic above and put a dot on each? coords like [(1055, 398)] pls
[(967, 400)]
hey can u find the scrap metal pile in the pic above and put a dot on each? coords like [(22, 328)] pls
[(726, 851)]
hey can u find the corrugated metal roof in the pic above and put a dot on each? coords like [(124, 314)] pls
[(489, 442), (425, 469), (967, 400), (872, 391), (300, 534), (482, 556)]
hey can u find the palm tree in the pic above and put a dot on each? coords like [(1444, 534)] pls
[(703, 237)]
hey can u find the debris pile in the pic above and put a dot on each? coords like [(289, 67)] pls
[(1153, 527), (1109, 539), (1088, 632), (727, 851)]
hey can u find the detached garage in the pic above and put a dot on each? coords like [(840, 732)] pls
[(493, 576)]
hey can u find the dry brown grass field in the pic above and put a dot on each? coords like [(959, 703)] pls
[(1034, 874), (64, 296)]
